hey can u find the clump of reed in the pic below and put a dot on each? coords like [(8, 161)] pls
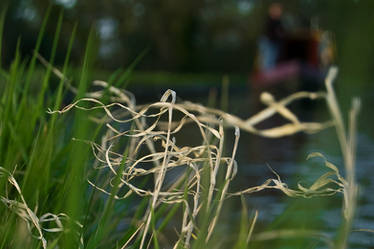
[(136, 154), (197, 187)]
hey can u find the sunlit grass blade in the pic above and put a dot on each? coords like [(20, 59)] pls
[(74, 190)]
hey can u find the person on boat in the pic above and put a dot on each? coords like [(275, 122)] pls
[(271, 41)]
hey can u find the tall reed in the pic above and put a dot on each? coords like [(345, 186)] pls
[(139, 178)]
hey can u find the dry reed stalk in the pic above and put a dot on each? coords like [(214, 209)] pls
[(347, 141)]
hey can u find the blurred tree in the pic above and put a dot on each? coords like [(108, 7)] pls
[(193, 35)]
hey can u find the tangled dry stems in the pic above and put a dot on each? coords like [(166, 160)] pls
[(152, 128), (164, 154)]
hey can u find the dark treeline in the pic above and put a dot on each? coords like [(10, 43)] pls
[(186, 36)]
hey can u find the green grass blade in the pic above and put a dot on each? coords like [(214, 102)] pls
[(64, 71), (102, 230), (75, 188), (31, 68), (123, 79), (51, 61)]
